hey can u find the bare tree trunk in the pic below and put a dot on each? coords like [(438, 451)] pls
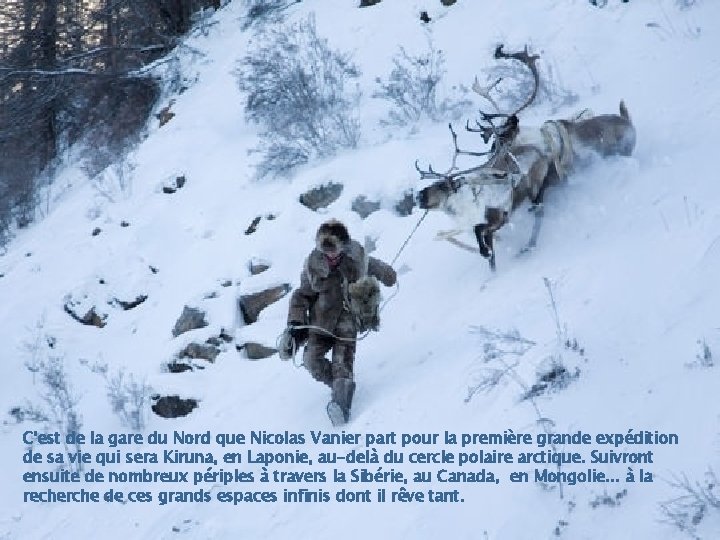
[(110, 37), (178, 14), (66, 71), (48, 29)]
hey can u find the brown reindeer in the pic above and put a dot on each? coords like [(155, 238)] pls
[(523, 161)]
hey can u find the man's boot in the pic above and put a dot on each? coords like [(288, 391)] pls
[(339, 407)]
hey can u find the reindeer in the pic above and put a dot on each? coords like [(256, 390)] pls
[(522, 162)]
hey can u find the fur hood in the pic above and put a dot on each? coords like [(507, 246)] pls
[(332, 235), (352, 264)]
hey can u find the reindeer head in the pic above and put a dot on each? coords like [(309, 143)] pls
[(502, 136), (436, 195)]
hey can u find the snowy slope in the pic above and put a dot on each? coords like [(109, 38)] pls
[(631, 247)]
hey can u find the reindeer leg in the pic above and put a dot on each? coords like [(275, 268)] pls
[(479, 231), (537, 204), (484, 236), (538, 199), (539, 213), (537, 209), (538, 180)]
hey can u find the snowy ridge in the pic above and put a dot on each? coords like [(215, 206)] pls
[(631, 247)]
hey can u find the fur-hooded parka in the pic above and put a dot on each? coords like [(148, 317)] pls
[(319, 298)]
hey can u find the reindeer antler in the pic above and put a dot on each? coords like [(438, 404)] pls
[(450, 175), (484, 91), (527, 59), (502, 135), (485, 132)]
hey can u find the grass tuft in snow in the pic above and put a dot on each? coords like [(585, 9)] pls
[(695, 500)]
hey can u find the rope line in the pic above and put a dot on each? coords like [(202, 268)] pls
[(295, 347), (410, 236)]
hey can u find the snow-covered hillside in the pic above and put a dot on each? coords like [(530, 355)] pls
[(629, 248)]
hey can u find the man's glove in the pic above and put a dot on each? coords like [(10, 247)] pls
[(300, 335)]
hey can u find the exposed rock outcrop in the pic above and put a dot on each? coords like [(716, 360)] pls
[(321, 196), (173, 406), (252, 304), (190, 319)]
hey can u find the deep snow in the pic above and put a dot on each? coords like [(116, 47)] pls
[(631, 246)]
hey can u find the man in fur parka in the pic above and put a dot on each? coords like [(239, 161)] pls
[(321, 302)]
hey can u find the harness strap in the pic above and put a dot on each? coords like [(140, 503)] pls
[(558, 145), (490, 177)]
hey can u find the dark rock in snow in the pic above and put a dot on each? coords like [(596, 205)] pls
[(166, 114), (177, 366), (253, 226), (448, 2), (124, 223), (321, 196), (368, 3), (405, 206), (96, 231), (257, 266), (203, 351), (252, 304), (190, 319), (364, 207), (424, 17), (173, 406), (130, 304), (90, 318), (224, 337), (256, 351), (173, 186)]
